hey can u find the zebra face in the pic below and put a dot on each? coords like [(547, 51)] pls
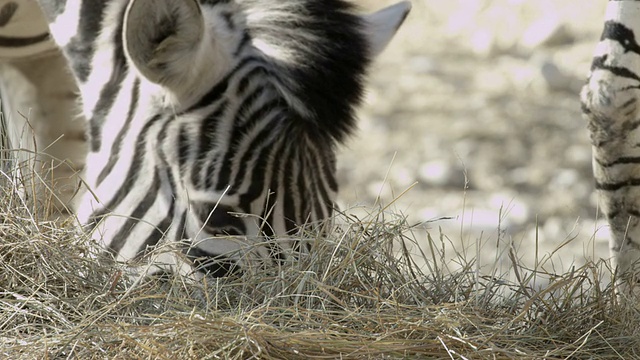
[(216, 121)]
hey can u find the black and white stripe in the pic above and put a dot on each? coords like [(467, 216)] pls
[(42, 137), (201, 111), (610, 104), (23, 30)]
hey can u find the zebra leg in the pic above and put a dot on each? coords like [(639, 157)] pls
[(610, 103), (39, 96)]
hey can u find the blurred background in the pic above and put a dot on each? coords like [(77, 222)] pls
[(474, 107)]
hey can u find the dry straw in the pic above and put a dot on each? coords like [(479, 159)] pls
[(360, 294)]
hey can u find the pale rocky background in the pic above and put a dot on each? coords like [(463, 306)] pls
[(484, 92)]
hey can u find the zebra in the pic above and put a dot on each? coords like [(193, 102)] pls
[(38, 112), (213, 122), (609, 101)]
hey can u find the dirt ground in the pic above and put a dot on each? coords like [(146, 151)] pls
[(485, 93)]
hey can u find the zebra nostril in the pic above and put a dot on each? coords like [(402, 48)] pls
[(7, 12)]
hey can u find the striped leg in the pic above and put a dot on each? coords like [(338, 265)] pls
[(610, 104), (39, 110)]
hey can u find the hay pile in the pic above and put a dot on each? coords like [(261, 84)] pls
[(358, 295)]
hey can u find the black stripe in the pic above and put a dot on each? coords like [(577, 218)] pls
[(312, 195), (132, 173), (612, 214), (260, 168), (294, 189), (210, 181), (264, 177), (164, 225), (184, 145), (619, 161), (633, 212), (309, 192), (257, 71), (181, 230), (599, 64), (329, 169), (208, 131), (246, 38), (277, 174), (623, 35), (6, 12), (323, 201), (160, 231), (109, 92), (167, 178), (162, 139), (619, 212), (119, 240), (301, 183), (288, 184), (81, 48), (617, 185), (220, 88), (214, 94), (117, 144), (257, 149), (16, 42), (211, 123), (237, 135)]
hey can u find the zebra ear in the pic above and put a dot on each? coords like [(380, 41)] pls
[(381, 26), (162, 37)]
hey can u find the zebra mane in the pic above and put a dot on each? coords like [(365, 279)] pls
[(319, 51)]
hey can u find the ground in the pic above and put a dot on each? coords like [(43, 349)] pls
[(484, 93)]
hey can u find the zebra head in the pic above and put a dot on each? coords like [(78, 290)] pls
[(199, 111)]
